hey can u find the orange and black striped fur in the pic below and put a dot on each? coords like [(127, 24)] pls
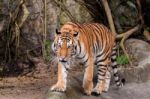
[(94, 44)]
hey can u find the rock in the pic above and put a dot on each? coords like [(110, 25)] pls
[(73, 91), (76, 10), (129, 91), (140, 51)]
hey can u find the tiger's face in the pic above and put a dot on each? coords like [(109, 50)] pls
[(65, 44)]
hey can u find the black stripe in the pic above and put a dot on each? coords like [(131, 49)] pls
[(99, 55), (75, 48), (116, 74), (101, 60), (101, 73), (67, 38), (94, 48), (101, 65), (100, 31), (114, 47), (82, 56), (102, 70), (113, 59), (105, 56), (66, 68), (79, 47), (85, 61), (113, 54), (117, 80), (96, 31), (114, 66)]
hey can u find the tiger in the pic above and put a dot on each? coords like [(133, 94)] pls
[(94, 44)]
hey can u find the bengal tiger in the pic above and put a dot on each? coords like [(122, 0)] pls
[(94, 44)]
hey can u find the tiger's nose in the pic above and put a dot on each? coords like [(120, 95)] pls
[(62, 59)]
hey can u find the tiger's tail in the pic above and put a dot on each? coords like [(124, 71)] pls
[(119, 82)]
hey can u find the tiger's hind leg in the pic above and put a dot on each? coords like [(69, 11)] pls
[(107, 81), (102, 74)]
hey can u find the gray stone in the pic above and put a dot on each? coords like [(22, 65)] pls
[(128, 91), (140, 51)]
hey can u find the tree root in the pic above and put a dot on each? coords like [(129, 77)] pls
[(17, 18), (109, 16), (122, 36)]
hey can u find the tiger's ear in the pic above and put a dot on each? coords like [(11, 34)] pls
[(57, 32)]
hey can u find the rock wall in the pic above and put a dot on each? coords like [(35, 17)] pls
[(32, 31)]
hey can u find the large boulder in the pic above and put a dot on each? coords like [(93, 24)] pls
[(139, 51)]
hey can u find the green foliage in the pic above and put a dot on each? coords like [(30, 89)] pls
[(122, 60)]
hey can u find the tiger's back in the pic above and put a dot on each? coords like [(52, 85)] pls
[(96, 36)]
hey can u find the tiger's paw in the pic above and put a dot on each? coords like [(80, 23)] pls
[(58, 87), (87, 92), (105, 87), (97, 91), (88, 88)]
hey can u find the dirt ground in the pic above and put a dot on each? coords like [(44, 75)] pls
[(23, 87), (32, 85)]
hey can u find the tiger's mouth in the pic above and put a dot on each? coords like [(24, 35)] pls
[(63, 60)]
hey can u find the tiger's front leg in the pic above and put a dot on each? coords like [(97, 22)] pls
[(62, 79), (88, 77)]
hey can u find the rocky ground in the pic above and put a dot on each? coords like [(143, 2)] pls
[(35, 85)]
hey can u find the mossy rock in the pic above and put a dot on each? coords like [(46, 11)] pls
[(74, 91)]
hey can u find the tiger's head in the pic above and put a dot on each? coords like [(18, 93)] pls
[(65, 43)]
